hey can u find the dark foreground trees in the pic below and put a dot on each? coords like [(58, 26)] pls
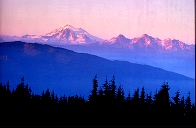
[(107, 105)]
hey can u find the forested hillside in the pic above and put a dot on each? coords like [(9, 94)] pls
[(106, 106)]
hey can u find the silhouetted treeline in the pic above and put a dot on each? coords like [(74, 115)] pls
[(106, 105)]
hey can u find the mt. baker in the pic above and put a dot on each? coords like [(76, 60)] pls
[(65, 34)]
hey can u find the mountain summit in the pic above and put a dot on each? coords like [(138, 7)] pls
[(71, 35), (148, 43), (67, 34), (119, 41)]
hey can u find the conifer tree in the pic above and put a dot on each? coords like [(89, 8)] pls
[(19, 93), (176, 98), (142, 97), (128, 106), (120, 95), (8, 86), (162, 104), (182, 105), (100, 92), (94, 91), (112, 88), (163, 96), (135, 98), (182, 102), (106, 87), (106, 92), (187, 104), (128, 98), (176, 110), (100, 96), (149, 99)]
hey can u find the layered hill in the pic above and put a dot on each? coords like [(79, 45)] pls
[(69, 72), (169, 54)]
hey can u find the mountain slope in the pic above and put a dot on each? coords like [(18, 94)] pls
[(172, 55), (68, 72), (148, 43), (66, 34)]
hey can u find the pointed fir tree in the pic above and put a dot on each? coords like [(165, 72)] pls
[(120, 95), (128, 103), (112, 88), (163, 98), (188, 103), (135, 98), (100, 92), (128, 98), (106, 87), (176, 98), (8, 86), (106, 93), (142, 97), (176, 110), (182, 105), (149, 99), (94, 91)]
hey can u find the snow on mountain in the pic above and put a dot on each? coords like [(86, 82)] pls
[(148, 43), (175, 45), (120, 41), (71, 35), (31, 36), (68, 34)]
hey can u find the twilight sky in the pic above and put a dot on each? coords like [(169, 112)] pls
[(173, 19)]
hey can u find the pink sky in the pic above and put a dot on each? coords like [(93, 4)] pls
[(173, 19)]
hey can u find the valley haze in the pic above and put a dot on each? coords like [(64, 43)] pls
[(68, 72), (45, 60), (169, 54)]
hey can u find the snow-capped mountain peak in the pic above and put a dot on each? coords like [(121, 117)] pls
[(73, 29), (175, 45), (67, 34), (148, 43), (120, 39), (145, 35), (70, 34), (65, 28)]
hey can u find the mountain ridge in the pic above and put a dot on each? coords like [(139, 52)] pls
[(149, 43), (63, 69), (67, 34), (169, 54)]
